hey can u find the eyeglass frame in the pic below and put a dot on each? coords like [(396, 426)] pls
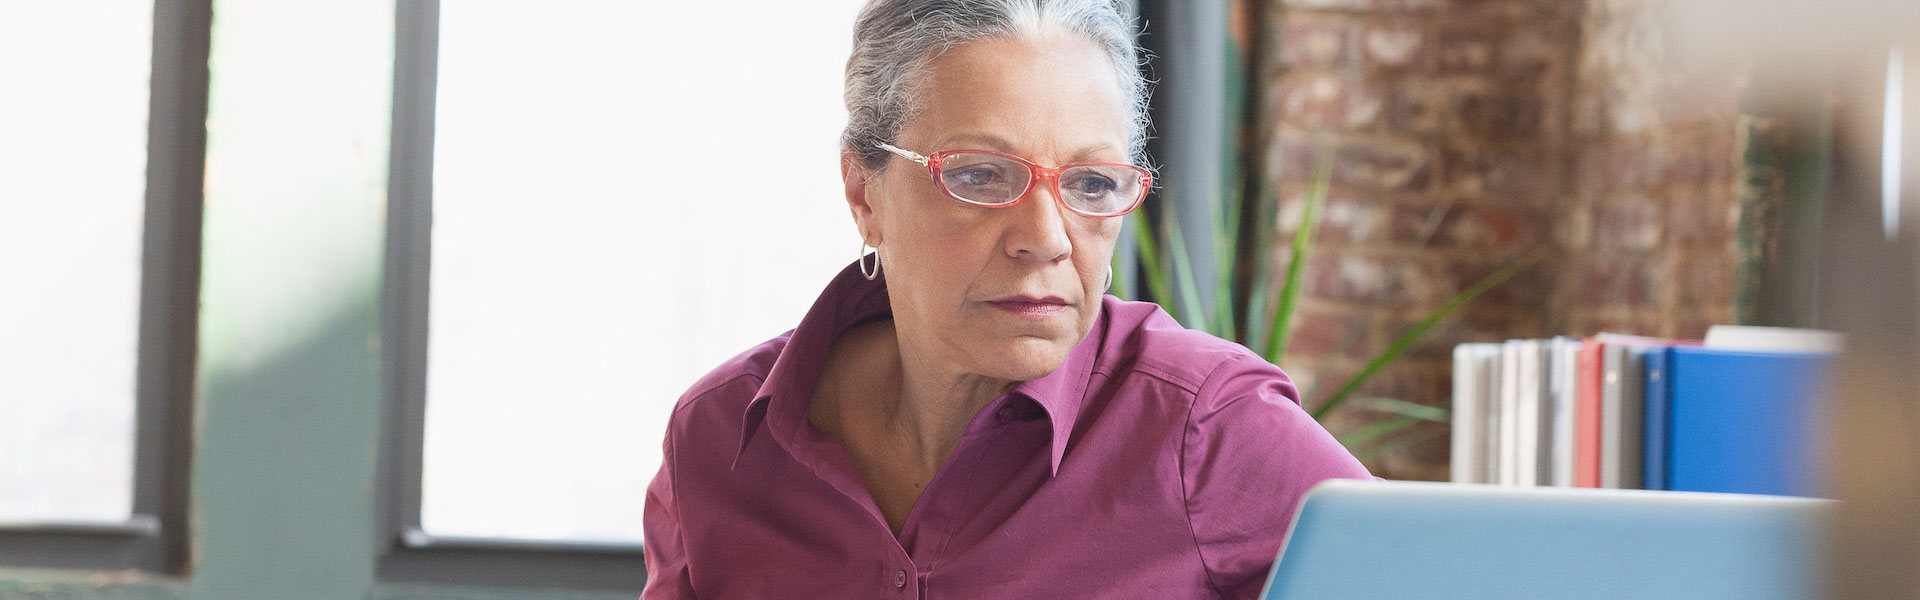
[(1035, 172)]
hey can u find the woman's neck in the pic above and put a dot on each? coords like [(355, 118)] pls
[(919, 400)]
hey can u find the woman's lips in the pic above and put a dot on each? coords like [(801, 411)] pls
[(1030, 307)]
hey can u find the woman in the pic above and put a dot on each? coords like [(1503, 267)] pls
[(964, 414)]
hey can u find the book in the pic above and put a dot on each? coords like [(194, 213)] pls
[(1528, 442), (1741, 421), (1463, 430), (1656, 418), (1563, 375), (1471, 407), (1620, 417), (1586, 409), (1508, 458), (1490, 422), (1773, 339)]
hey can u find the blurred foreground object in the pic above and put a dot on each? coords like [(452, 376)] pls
[(1844, 60), (1869, 292)]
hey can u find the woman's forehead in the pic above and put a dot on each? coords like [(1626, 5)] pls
[(1057, 94)]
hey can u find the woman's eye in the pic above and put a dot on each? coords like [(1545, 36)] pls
[(977, 176), (1092, 185)]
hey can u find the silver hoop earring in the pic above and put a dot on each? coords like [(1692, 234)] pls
[(1109, 280), (863, 261)]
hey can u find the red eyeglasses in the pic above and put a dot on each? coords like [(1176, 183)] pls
[(995, 180)]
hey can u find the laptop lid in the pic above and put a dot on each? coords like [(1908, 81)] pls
[(1372, 539)]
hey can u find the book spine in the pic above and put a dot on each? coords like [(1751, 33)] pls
[(1527, 417), (1466, 416), (1566, 373), (1509, 456), (1489, 400), (1612, 356), (1632, 419), (1586, 428), (1657, 432)]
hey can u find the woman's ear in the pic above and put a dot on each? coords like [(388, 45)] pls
[(855, 176)]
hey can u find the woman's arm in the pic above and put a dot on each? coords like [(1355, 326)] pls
[(667, 576), (1250, 453)]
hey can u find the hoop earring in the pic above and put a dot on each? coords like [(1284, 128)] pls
[(863, 261), (1109, 287)]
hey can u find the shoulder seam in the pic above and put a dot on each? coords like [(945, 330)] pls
[(1186, 495), (1184, 384), (692, 398)]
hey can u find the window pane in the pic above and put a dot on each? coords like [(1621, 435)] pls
[(73, 158), (626, 194)]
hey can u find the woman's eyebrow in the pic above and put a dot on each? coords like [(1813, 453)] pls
[(999, 144), (991, 141)]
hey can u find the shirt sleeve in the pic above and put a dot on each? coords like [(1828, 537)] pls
[(666, 557), (1250, 453)]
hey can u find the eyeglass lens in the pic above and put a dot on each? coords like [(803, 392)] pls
[(994, 180)]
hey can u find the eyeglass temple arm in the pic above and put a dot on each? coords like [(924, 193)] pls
[(904, 153)]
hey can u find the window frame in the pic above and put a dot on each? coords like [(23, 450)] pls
[(155, 539), (406, 553)]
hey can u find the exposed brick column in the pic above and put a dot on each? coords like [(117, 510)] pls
[(1649, 233), (1464, 133)]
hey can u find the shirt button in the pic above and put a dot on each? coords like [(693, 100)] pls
[(899, 579)]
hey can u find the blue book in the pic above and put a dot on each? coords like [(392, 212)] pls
[(1656, 416), (1739, 421)]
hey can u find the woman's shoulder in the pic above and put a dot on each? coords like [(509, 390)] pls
[(1142, 337), (1242, 413), (735, 381)]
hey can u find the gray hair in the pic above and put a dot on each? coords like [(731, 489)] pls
[(895, 40)]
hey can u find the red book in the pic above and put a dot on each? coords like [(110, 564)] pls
[(1586, 415)]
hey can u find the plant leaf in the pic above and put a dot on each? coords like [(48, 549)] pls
[(1297, 263), (1406, 340), (1404, 408), (1154, 272), (1226, 254), (1435, 217), (1389, 443), (1376, 430), (1189, 305), (1256, 308)]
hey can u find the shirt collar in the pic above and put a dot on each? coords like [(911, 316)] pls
[(851, 299)]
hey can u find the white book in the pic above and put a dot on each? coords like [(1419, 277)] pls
[(1461, 456), (1490, 421), (1471, 407), (1565, 371), (1773, 339), (1509, 460), (1527, 413)]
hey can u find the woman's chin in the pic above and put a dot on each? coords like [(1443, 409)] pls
[(1024, 358)]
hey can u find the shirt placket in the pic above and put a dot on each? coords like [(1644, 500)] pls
[(943, 504)]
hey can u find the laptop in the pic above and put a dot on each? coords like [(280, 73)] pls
[(1376, 539)]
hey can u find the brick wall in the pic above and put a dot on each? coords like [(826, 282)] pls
[(1649, 226), (1464, 133)]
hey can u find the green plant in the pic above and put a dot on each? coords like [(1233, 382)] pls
[(1239, 310)]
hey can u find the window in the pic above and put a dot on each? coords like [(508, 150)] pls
[(101, 142), (607, 217), (78, 181)]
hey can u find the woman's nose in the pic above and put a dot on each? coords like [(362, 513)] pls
[(1037, 226)]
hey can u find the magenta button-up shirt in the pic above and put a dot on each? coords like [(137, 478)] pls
[(1156, 462)]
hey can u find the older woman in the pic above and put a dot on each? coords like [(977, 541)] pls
[(964, 414)]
